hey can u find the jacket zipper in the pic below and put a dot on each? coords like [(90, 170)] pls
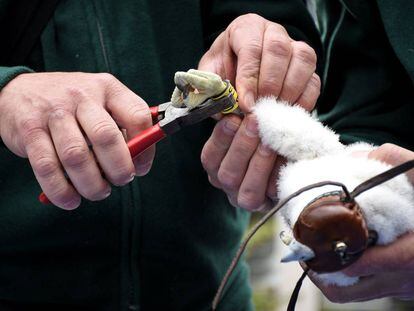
[(128, 277)]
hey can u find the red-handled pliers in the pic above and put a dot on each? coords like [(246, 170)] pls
[(168, 119)]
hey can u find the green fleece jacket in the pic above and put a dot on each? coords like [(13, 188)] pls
[(368, 70), (164, 241)]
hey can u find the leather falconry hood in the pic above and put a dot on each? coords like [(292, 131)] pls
[(334, 228), (332, 225)]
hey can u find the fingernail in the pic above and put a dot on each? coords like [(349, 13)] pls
[(107, 194), (71, 205), (265, 150), (131, 178), (143, 169), (248, 101), (230, 127), (251, 127)]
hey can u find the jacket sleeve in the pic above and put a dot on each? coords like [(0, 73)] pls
[(9, 73), (292, 14)]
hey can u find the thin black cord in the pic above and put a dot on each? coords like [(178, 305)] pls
[(370, 183), (260, 223), (294, 297)]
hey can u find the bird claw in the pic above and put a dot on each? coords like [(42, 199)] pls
[(194, 87)]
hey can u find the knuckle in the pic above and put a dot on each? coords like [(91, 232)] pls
[(250, 17), (304, 53), (312, 91), (206, 162), (315, 81), (30, 127), (252, 51), (245, 146), (44, 166), (209, 56), (278, 46), (289, 92), (104, 134), (76, 93), (58, 113), (260, 167), (75, 155), (389, 150), (388, 153), (277, 28), (140, 115), (248, 199), (308, 99), (214, 182), (270, 86), (387, 147), (106, 78), (229, 181)]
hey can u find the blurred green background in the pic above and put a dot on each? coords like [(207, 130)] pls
[(273, 282)]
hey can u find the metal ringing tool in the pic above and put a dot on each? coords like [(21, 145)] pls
[(198, 96)]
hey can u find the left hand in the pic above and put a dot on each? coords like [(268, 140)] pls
[(384, 271), (260, 59)]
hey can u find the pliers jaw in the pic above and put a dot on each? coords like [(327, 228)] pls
[(177, 118)]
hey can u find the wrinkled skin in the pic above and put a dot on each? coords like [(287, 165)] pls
[(260, 59), (384, 271), (53, 118)]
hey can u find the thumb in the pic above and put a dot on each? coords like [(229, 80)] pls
[(220, 59), (393, 155), (132, 113)]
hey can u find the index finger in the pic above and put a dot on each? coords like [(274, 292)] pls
[(246, 42)]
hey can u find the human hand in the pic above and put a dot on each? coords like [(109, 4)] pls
[(51, 118), (384, 271), (260, 59)]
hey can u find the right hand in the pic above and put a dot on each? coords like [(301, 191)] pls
[(52, 118), (260, 59)]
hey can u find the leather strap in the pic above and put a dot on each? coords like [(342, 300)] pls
[(256, 227), (370, 183), (381, 178)]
